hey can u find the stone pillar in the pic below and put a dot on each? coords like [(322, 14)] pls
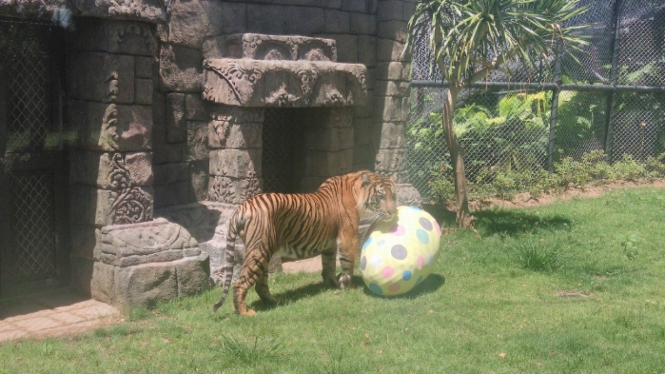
[(111, 91), (234, 139), (121, 256), (392, 90)]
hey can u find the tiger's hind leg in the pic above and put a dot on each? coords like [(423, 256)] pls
[(262, 287), (252, 270), (328, 268)]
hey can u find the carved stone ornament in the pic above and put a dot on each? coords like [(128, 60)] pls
[(232, 190), (270, 47), (233, 114), (261, 83), (108, 137), (155, 241), (130, 204), (132, 29)]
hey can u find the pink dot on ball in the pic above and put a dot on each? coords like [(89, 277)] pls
[(394, 287), (397, 230), (437, 228), (421, 262), (387, 272)]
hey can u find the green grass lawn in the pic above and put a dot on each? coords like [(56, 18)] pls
[(575, 287)]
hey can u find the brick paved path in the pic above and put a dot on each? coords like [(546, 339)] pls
[(53, 313)]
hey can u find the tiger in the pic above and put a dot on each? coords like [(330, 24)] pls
[(294, 226)]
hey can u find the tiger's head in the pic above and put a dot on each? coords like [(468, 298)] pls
[(377, 201)]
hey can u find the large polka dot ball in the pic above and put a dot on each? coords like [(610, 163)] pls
[(399, 255)]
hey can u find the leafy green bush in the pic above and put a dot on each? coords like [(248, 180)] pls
[(568, 173)]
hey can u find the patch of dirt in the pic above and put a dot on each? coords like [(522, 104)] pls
[(587, 192), (572, 295), (309, 265)]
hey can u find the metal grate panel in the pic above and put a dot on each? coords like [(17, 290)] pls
[(33, 226), (281, 130), (31, 126)]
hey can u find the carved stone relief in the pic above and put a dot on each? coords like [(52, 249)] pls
[(130, 203), (233, 190), (270, 47), (265, 83)]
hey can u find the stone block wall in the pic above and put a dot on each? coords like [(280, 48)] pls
[(391, 100), (149, 141), (120, 254), (179, 141), (110, 83)]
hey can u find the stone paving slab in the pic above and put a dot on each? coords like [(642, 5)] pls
[(53, 313)]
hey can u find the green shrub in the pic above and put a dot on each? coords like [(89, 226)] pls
[(568, 172)]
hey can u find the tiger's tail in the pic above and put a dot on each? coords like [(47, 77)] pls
[(236, 224)]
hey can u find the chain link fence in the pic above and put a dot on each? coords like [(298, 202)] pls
[(613, 100)]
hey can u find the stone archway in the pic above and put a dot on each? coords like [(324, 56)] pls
[(245, 74)]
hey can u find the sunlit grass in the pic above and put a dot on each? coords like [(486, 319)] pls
[(575, 287)]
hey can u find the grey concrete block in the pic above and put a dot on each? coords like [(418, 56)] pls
[(336, 21), (390, 10), (392, 88), (193, 20), (197, 141), (198, 172), (367, 50), (180, 68), (143, 94), (235, 163), (393, 30), (101, 77), (114, 36), (144, 67), (363, 24), (195, 108), (171, 173), (391, 50), (393, 135), (176, 124)]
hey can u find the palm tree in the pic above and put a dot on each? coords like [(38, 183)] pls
[(471, 38)]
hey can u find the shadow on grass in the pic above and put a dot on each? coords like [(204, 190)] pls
[(442, 215), (292, 296), (512, 222), (432, 283)]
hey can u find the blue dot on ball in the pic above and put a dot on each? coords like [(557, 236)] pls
[(422, 236), (406, 275), (375, 288), (369, 240), (415, 208)]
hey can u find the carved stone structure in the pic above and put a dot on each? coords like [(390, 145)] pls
[(170, 101), (244, 73)]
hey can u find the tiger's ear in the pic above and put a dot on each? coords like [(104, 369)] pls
[(365, 179)]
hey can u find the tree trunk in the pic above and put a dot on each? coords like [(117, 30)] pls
[(464, 218)]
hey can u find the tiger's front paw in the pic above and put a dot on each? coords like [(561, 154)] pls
[(344, 281)]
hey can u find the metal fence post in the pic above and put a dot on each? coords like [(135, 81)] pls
[(611, 98), (555, 108)]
